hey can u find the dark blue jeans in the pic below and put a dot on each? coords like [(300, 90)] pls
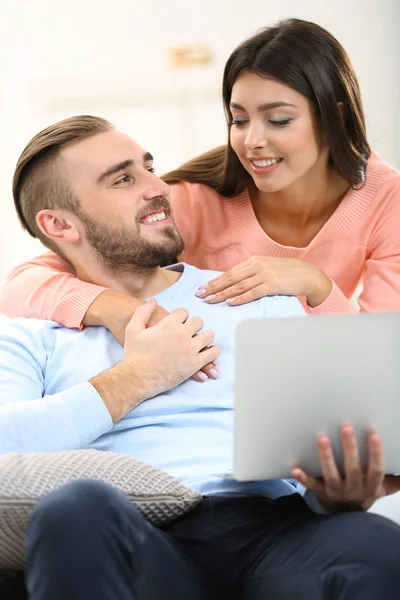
[(87, 541)]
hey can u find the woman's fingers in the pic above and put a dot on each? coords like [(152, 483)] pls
[(239, 292), (226, 280)]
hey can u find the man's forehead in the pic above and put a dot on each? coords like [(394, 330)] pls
[(99, 151)]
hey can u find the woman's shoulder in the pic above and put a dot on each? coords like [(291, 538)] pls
[(194, 194), (381, 173), (380, 191)]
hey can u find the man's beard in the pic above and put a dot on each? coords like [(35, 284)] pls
[(122, 250)]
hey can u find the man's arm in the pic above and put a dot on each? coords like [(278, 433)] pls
[(31, 422), (156, 360)]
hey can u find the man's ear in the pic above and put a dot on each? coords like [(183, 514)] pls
[(58, 225)]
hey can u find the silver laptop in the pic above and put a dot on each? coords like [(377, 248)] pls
[(303, 376)]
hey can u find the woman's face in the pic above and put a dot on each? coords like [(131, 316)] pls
[(274, 133)]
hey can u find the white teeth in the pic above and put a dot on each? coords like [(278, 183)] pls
[(266, 163), (156, 217)]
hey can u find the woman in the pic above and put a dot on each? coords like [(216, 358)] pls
[(295, 204)]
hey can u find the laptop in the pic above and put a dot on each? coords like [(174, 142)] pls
[(300, 377)]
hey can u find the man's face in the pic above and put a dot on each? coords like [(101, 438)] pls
[(124, 207)]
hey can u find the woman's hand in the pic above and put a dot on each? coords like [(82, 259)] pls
[(114, 311), (266, 276), (356, 490)]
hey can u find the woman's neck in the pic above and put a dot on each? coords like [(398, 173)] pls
[(293, 216)]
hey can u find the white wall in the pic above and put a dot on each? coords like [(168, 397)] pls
[(59, 58)]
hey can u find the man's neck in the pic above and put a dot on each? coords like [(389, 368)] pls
[(141, 284)]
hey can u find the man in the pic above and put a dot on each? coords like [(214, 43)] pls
[(89, 192)]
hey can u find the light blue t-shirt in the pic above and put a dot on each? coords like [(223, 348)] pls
[(47, 404)]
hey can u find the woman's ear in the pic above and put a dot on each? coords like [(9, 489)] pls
[(58, 225)]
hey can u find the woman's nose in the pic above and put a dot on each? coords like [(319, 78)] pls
[(256, 138)]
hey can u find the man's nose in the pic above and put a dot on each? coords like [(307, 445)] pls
[(156, 187)]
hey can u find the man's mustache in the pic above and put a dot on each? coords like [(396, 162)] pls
[(154, 206)]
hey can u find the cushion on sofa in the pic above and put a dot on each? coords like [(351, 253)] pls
[(25, 478)]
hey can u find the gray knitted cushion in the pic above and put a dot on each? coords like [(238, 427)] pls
[(24, 478)]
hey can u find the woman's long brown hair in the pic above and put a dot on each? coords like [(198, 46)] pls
[(307, 58)]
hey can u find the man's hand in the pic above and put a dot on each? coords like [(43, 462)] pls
[(156, 359), (174, 346), (114, 310), (356, 490)]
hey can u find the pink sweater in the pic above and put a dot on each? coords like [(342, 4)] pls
[(360, 242)]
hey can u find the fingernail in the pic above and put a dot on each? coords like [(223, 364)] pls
[(210, 297), (214, 373), (201, 292), (230, 300), (201, 375)]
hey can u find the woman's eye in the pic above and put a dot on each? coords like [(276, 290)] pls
[(152, 170), (280, 123), (238, 122)]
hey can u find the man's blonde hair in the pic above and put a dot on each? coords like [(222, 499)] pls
[(37, 184)]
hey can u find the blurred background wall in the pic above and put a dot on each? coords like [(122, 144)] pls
[(112, 59)]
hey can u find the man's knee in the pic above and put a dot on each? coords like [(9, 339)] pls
[(78, 507), (371, 540)]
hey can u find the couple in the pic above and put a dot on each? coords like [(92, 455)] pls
[(92, 194)]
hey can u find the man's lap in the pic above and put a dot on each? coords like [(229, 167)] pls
[(250, 545)]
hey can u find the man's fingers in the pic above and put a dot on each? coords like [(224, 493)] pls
[(351, 460), (141, 317), (309, 482), (194, 325), (330, 473), (209, 355), (376, 465), (179, 315), (391, 484), (203, 339)]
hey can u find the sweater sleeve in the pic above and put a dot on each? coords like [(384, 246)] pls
[(381, 290), (31, 421), (46, 288), (335, 304)]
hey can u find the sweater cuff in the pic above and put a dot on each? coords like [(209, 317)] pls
[(314, 504), (335, 304), (71, 310), (88, 413)]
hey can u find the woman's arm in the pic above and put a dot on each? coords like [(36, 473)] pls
[(335, 304), (46, 288), (381, 290)]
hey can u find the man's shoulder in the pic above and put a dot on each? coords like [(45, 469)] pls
[(28, 332), (189, 271)]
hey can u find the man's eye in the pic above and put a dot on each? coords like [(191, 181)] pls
[(152, 170), (123, 179)]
